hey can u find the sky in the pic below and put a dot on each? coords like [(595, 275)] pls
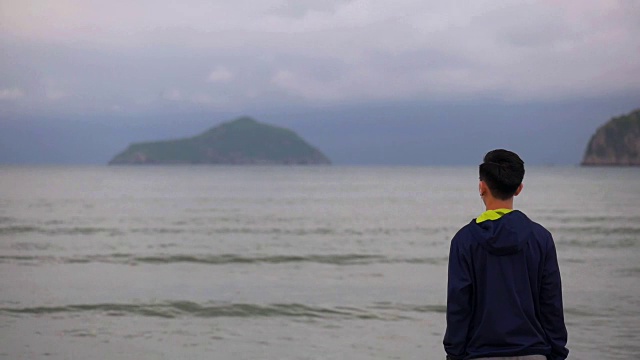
[(131, 70)]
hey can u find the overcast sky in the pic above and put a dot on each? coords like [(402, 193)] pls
[(97, 56), (540, 71)]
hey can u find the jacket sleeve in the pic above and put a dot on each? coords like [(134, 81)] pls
[(459, 308), (552, 315)]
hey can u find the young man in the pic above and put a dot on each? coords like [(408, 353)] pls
[(504, 298)]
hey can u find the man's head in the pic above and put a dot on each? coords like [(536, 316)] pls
[(501, 173)]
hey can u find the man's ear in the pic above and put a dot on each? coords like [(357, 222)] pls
[(482, 188), (519, 189)]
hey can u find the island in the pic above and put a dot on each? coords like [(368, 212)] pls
[(243, 141), (616, 143)]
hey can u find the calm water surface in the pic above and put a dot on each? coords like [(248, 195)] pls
[(286, 262)]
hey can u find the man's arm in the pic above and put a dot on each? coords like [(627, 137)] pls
[(459, 291), (551, 304)]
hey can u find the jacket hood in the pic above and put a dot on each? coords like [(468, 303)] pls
[(504, 236)]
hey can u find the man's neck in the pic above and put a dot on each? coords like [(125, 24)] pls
[(495, 204)]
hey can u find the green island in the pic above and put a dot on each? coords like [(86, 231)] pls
[(243, 141), (616, 143)]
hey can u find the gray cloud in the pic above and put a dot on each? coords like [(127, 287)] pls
[(97, 56), (301, 8)]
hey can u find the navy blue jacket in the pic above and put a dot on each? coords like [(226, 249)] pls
[(504, 293)]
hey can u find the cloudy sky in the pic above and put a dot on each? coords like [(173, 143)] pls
[(98, 58)]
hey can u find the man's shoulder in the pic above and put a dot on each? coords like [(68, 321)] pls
[(540, 234), (464, 234), (466, 228), (536, 227), (540, 229)]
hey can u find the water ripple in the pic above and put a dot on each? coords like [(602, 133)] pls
[(221, 259), (178, 309)]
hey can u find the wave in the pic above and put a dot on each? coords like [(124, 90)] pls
[(6, 220), (599, 243), (596, 230), (209, 231), (25, 229), (570, 218), (630, 272), (411, 308), (177, 309), (386, 311), (222, 259)]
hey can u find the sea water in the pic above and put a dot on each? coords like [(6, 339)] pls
[(210, 262)]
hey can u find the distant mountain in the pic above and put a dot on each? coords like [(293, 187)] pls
[(616, 143), (243, 141)]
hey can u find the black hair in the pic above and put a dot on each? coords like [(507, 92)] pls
[(502, 171)]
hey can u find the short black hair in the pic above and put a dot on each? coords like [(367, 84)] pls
[(502, 171)]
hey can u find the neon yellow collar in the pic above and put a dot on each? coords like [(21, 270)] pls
[(492, 215)]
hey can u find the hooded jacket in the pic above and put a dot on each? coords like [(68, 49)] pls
[(504, 293)]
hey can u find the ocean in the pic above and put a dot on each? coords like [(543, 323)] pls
[(215, 262)]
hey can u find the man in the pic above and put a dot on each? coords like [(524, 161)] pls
[(504, 298)]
